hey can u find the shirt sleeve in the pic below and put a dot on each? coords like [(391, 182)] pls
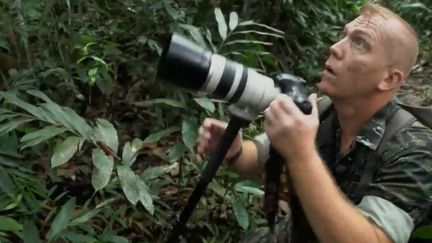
[(395, 222), (404, 180), (263, 147)]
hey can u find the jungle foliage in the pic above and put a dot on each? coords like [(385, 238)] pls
[(94, 149)]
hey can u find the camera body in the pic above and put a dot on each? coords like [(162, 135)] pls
[(187, 65)]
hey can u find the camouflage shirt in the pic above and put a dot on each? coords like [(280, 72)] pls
[(399, 195), (402, 174)]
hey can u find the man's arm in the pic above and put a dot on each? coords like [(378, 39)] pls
[(247, 164), (332, 217)]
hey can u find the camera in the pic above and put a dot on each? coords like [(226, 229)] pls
[(188, 65)]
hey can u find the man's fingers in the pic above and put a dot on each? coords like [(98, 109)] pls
[(313, 100), (290, 107)]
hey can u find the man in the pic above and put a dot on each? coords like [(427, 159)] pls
[(361, 76)]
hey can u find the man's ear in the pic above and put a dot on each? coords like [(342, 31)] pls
[(393, 80)]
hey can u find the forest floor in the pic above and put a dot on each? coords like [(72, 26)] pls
[(417, 90)]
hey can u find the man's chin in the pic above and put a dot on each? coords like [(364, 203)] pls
[(322, 87)]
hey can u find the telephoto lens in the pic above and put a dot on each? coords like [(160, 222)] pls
[(188, 65)]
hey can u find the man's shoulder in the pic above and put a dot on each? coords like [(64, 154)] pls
[(412, 141)]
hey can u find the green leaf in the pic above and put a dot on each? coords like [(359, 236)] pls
[(7, 127), (6, 184), (144, 195), (195, 34), (250, 22), (254, 42), (176, 152), (41, 135), (169, 102), (89, 215), (240, 212), (78, 123), (233, 21), (31, 233), (249, 187), (103, 166), (106, 133), (424, 232), (155, 137), (8, 116), (130, 151), (218, 188), (128, 182), (247, 32), (62, 219), (13, 99), (92, 74), (77, 237), (154, 172), (206, 103), (222, 26), (9, 224), (189, 133), (65, 150)]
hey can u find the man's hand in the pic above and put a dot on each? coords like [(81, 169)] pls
[(210, 134), (291, 132)]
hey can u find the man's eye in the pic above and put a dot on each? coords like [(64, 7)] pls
[(359, 43)]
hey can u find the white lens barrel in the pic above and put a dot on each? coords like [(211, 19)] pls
[(238, 84)]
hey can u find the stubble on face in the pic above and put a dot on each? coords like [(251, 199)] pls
[(360, 66)]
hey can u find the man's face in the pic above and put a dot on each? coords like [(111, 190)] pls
[(357, 62)]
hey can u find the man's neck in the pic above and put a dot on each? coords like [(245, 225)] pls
[(353, 114)]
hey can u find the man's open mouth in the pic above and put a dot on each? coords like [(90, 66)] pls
[(329, 70)]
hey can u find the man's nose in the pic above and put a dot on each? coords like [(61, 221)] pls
[(336, 49)]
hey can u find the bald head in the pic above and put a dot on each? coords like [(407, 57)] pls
[(400, 38)]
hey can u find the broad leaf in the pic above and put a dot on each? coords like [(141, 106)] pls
[(233, 20), (6, 184), (65, 150), (9, 224), (13, 99), (154, 172), (30, 233), (41, 135), (189, 133), (248, 23), (254, 42), (128, 183), (7, 127), (78, 123), (249, 187), (195, 34), (106, 133), (144, 195), (222, 26), (62, 219), (130, 151), (240, 212), (77, 237), (169, 102), (155, 137), (218, 188), (206, 103), (247, 32), (90, 214), (176, 152), (103, 166), (8, 116)]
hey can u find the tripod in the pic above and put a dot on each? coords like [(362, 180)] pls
[(239, 118), (242, 117)]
